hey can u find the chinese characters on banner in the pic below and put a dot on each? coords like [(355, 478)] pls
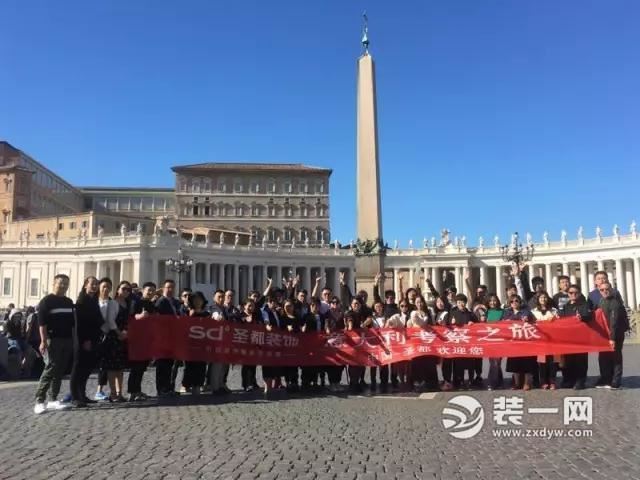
[(206, 339)]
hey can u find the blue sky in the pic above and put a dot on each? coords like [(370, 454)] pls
[(494, 116)]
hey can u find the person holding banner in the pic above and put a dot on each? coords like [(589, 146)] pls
[(355, 319), (271, 318), (547, 364), (293, 324), (218, 371), (400, 370), (194, 372), (248, 372), (334, 323), (618, 321), (459, 317), (313, 321), (495, 314), (576, 365), (424, 368), (523, 368)]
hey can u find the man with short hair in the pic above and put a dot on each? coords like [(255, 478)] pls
[(143, 309), (562, 297), (576, 365), (56, 322), (595, 296), (389, 302), (618, 322), (166, 305)]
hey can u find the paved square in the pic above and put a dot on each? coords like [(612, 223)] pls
[(328, 437)]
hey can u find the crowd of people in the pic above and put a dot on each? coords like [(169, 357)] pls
[(90, 334)]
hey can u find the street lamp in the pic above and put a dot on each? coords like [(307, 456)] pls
[(515, 252), (179, 265)]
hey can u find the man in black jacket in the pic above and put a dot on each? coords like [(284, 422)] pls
[(166, 305), (390, 305), (143, 308), (312, 322), (616, 315), (576, 365)]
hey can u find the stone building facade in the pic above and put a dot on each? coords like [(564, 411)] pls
[(289, 202)]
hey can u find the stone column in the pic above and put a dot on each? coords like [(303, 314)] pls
[(154, 271), (236, 281), (192, 276), (307, 279), (499, 285), (620, 278), (437, 279), (601, 265), (548, 277), (251, 285), (135, 273), (459, 280), (572, 274), (631, 291), (100, 268), (412, 278), (352, 281), (565, 269), (636, 277), (484, 277), (590, 276), (336, 281), (584, 278), (221, 278), (278, 279)]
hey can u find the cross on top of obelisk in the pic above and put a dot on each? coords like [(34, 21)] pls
[(365, 33)]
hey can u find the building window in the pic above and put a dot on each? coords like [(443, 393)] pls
[(147, 204), (118, 225), (195, 187), (304, 188), (271, 187), (183, 186), (303, 209), (320, 188), (195, 210), (287, 187), (60, 226), (255, 187), (222, 187), (303, 234), (319, 235), (207, 187), (72, 225), (207, 211), (237, 187), (255, 210), (33, 287), (287, 234), (6, 286), (40, 236), (271, 235), (6, 217)]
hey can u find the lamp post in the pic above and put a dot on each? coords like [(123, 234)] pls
[(179, 265), (516, 252)]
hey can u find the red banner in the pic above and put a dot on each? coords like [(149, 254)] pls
[(205, 339)]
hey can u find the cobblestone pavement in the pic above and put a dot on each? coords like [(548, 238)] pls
[(323, 437)]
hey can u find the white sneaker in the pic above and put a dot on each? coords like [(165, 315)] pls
[(39, 408), (56, 405)]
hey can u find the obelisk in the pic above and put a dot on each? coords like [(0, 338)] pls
[(369, 249)]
